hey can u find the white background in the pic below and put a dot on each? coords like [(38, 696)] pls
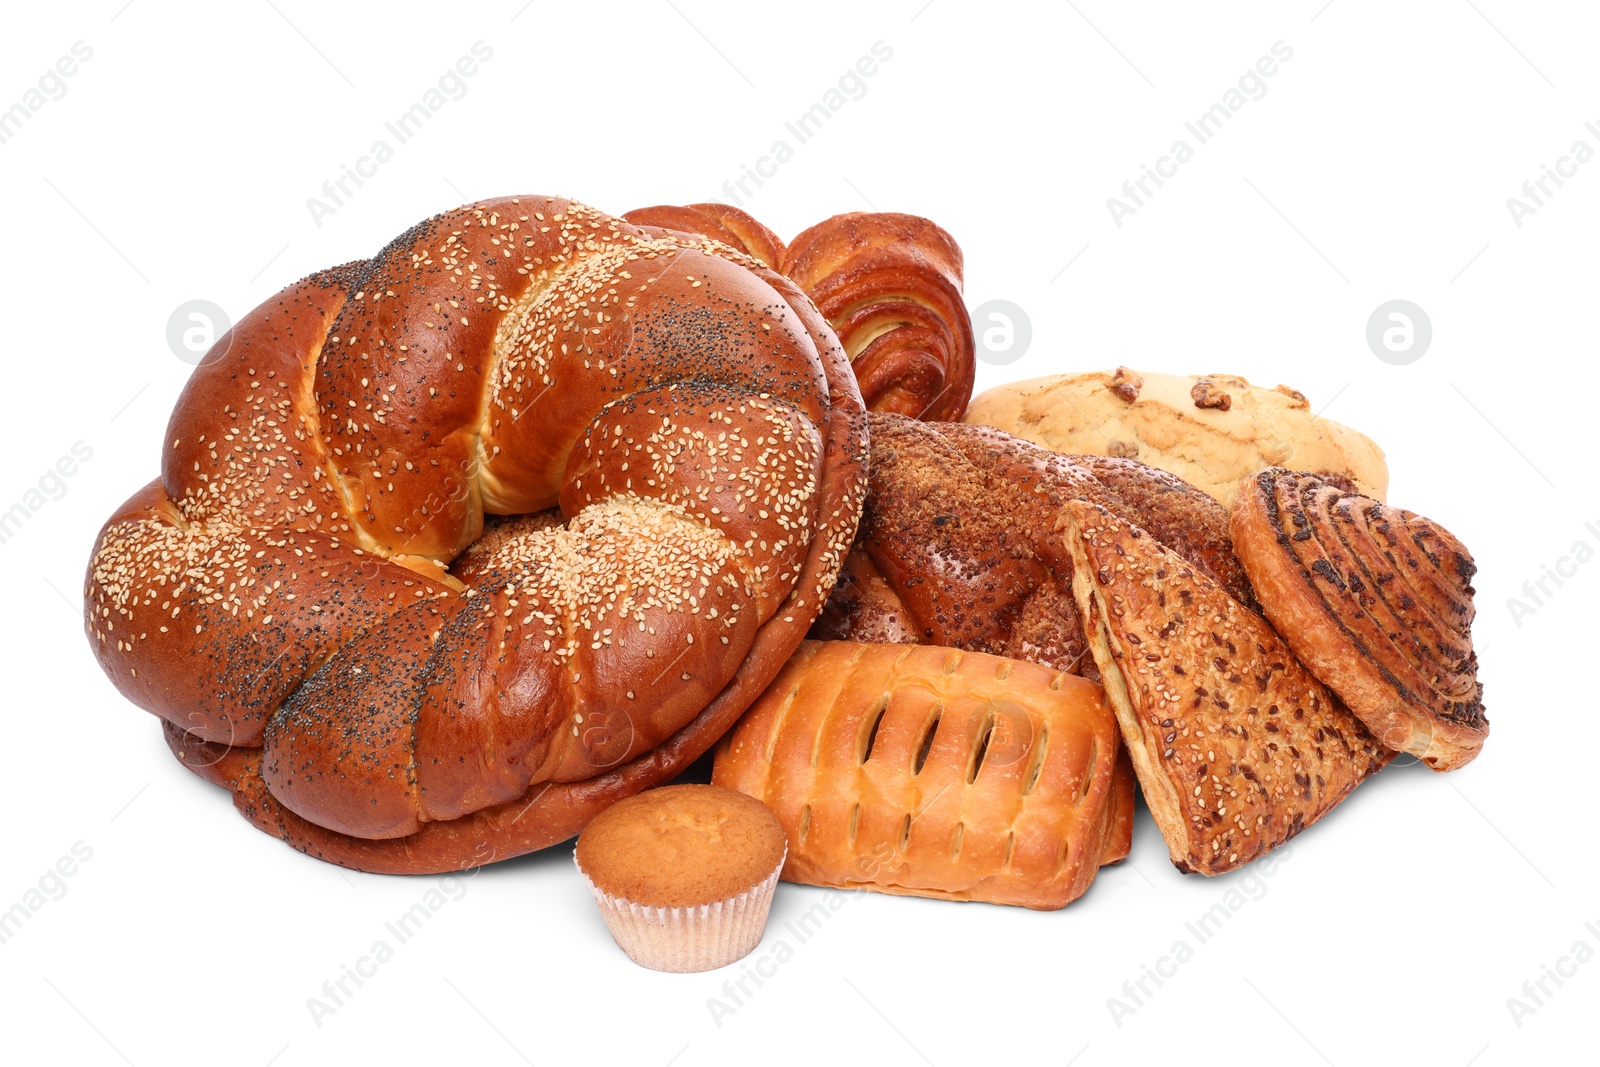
[(177, 166)]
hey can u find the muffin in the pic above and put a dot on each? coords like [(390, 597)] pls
[(684, 874)]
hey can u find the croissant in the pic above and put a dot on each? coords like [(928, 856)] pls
[(1237, 747), (312, 600), (888, 284), (934, 772), (1378, 603)]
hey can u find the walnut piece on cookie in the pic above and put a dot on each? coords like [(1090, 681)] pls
[(1210, 430)]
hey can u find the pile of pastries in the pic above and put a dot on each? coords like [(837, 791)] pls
[(1083, 584), (469, 547), (1021, 637), (1260, 649)]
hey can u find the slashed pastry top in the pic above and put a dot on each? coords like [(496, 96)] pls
[(936, 772)]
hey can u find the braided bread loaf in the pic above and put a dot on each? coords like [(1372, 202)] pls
[(311, 598)]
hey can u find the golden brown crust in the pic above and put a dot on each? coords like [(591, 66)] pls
[(687, 407), (1237, 747), (935, 772), (1378, 603), (864, 607), (681, 845), (890, 285), (958, 544), (1210, 430), (724, 222)]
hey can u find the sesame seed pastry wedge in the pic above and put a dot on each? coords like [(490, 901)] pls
[(1236, 746), (1376, 600)]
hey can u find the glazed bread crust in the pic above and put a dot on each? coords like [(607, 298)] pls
[(934, 772), (890, 285), (1378, 603), (730, 225), (309, 597)]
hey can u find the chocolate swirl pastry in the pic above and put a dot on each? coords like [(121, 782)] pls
[(1378, 603)]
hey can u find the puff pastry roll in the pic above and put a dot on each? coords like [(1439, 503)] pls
[(928, 771)]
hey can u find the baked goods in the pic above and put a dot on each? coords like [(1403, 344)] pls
[(864, 607), (724, 222), (934, 772), (455, 548), (291, 584), (958, 544), (1210, 430), (889, 285), (1237, 747), (1376, 601), (684, 874)]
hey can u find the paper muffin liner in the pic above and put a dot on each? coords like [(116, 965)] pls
[(700, 937)]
